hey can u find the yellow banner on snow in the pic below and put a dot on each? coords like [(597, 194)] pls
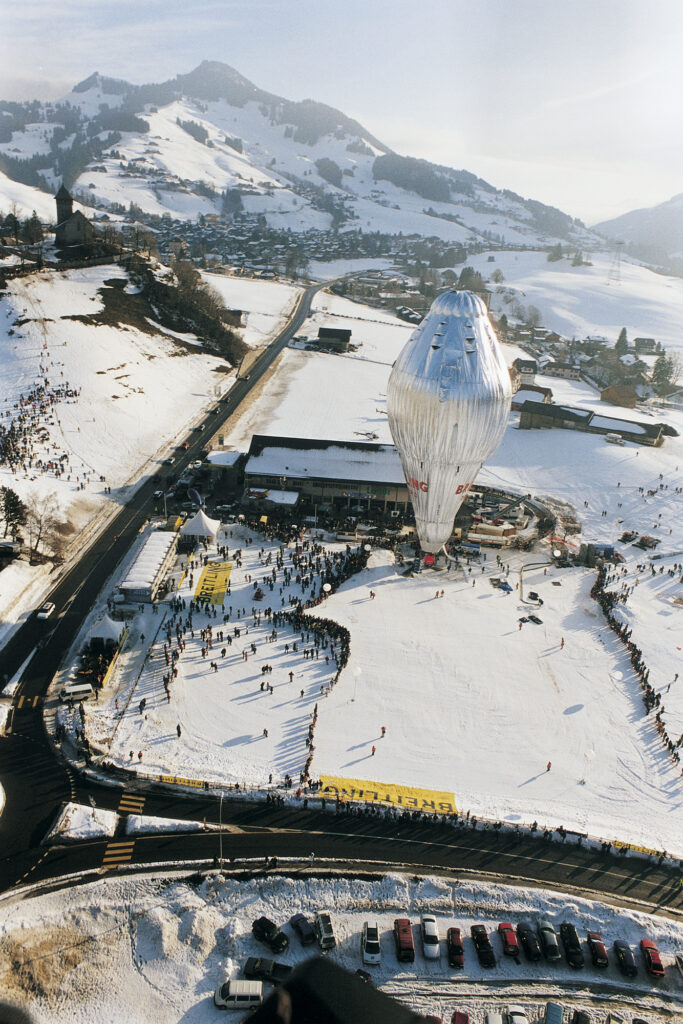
[(637, 849), (213, 582), (179, 781), (387, 793)]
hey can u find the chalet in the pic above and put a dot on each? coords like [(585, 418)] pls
[(620, 394), (645, 346), (531, 393), (526, 369), (568, 371), (72, 228), (337, 339)]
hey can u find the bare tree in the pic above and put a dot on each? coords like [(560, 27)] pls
[(43, 522)]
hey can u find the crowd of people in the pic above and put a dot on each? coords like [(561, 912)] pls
[(300, 576), (608, 601), (23, 429)]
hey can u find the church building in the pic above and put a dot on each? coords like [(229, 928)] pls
[(72, 228)]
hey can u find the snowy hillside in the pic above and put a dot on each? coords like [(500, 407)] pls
[(104, 397), (179, 147), (578, 301)]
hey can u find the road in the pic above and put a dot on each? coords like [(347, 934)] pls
[(37, 781)]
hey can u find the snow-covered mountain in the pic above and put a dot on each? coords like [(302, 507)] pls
[(211, 142), (655, 227)]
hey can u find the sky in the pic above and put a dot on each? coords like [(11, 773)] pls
[(576, 103)]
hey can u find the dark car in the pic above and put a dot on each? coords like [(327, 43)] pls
[(625, 958), (597, 949), (508, 939), (529, 941), (455, 951), (482, 944), (303, 928), (267, 932), (261, 969), (653, 963), (581, 1017), (548, 938), (572, 945)]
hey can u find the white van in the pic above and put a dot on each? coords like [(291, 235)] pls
[(238, 995), (494, 1018), (75, 691)]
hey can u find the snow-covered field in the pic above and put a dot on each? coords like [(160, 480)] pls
[(137, 950), (127, 395), (581, 301), (456, 674), (267, 304)]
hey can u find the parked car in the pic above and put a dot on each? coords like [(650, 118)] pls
[(369, 944), (580, 1017), (259, 968), (554, 1013), (364, 976), (572, 945), (324, 931), (482, 945), (403, 940), (157, 495), (238, 995), (303, 928), (430, 937), (516, 1015), (460, 1017), (548, 939), (508, 939), (625, 958), (267, 932), (46, 611), (597, 950), (653, 963), (614, 1018), (170, 460), (455, 950), (529, 941)]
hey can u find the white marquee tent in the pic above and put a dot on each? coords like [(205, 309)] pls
[(201, 526)]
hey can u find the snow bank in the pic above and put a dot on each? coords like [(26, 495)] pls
[(78, 821)]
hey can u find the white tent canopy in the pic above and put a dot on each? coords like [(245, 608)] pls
[(201, 526), (106, 629)]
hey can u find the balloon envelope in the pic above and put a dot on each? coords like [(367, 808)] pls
[(448, 401)]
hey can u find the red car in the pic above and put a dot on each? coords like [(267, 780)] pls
[(508, 938), (459, 1017), (597, 949), (454, 948), (653, 963)]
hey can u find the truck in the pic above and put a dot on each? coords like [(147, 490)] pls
[(261, 968)]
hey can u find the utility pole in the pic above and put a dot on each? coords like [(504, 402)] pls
[(220, 833)]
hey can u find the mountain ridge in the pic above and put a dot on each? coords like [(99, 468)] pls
[(211, 140)]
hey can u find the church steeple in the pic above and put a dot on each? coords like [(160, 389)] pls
[(65, 204)]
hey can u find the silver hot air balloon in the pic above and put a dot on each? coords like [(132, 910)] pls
[(448, 401)]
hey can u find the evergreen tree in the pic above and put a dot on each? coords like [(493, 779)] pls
[(12, 511), (621, 347)]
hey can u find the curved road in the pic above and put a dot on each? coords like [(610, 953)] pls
[(36, 780)]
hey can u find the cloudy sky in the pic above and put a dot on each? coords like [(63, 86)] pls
[(573, 102)]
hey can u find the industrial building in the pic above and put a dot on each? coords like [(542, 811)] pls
[(352, 475)]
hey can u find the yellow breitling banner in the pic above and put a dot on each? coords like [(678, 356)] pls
[(387, 793), (213, 582)]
